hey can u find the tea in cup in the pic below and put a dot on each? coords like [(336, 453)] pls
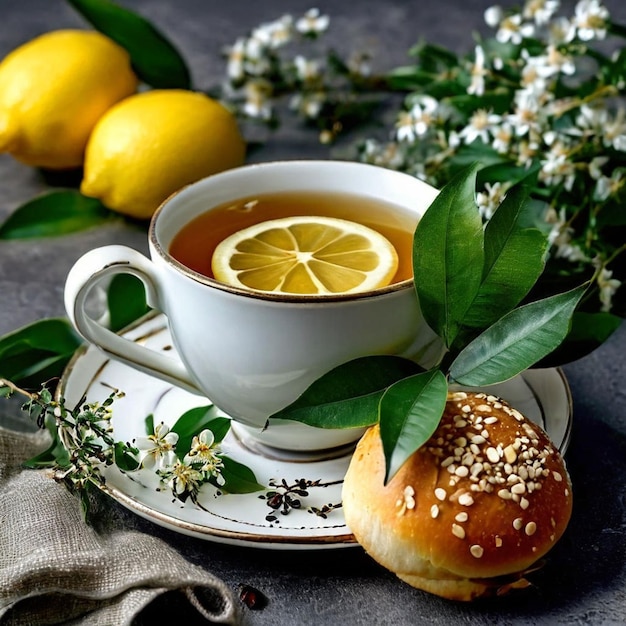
[(253, 352)]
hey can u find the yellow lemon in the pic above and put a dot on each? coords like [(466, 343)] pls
[(53, 89), (153, 143), (306, 256)]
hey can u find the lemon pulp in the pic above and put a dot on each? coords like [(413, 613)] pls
[(306, 256)]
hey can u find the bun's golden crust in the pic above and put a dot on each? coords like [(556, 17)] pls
[(485, 498)]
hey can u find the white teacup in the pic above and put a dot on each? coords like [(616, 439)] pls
[(250, 353)]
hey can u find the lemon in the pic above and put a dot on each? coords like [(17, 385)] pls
[(150, 145), (53, 89), (306, 256)]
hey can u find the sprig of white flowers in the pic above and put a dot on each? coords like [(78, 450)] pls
[(536, 98)]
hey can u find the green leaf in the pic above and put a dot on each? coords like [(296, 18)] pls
[(125, 459), (239, 478), (348, 395), (56, 455), (126, 300), (410, 411), (149, 424), (192, 423), (54, 214), (37, 352), (448, 255), (516, 341), (154, 58), (589, 331), (5, 391), (514, 259)]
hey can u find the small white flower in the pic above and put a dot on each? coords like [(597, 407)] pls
[(312, 22), (493, 16), (258, 104), (307, 70), (561, 31), (416, 122), (513, 29), (491, 198), (608, 286), (502, 136), (480, 123), (183, 478), (526, 115), (275, 34), (541, 11), (591, 20), (614, 131), (236, 55), (157, 450), (556, 167), (478, 73), (607, 186)]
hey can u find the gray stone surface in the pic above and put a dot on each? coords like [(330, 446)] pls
[(584, 581)]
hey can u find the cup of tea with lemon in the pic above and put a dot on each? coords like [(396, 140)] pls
[(270, 275)]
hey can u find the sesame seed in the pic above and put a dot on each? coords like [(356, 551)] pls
[(440, 494), (476, 551), (491, 420), (434, 511), (518, 522), (465, 499), (492, 454), (458, 531), (461, 471), (466, 408), (505, 494), (524, 504), (478, 439), (518, 489), (461, 517), (531, 528), (498, 542), (483, 408), (510, 454), (557, 477)]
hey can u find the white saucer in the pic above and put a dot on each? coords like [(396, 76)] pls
[(542, 395)]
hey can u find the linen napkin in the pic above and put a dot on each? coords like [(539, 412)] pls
[(57, 569)]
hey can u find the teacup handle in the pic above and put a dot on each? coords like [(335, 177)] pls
[(89, 270)]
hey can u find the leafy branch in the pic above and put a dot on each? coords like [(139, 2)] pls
[(471, 283)]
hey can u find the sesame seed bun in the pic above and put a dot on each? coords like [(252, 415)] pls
[(472, 510)]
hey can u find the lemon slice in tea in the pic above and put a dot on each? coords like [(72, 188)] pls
[(306, 256)]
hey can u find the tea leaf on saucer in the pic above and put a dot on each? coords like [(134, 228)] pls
[(238, 478), (348, 395), (154, 58), (448, 255), (410, 411), (54, 214), (516, 341)]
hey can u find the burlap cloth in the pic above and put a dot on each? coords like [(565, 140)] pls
[(57, 569)]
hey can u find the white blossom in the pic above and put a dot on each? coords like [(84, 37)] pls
[(307, 70), (561, 30), (513, 29), (556, 166), (275, 34), (157, 449), (491, 198), (312, 22), (480, 123), (541, 11), (607, 186), (417, 120), (493, 16), (478, 72), (591, 20), (502, 136), (526, 114), (258, 104), (608, 286)]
